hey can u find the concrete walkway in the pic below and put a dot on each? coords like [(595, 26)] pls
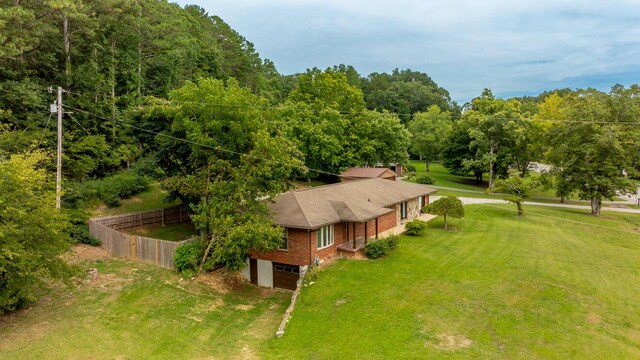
[(470, 201), (400, 228)]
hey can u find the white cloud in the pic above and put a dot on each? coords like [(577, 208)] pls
[(510, 46)]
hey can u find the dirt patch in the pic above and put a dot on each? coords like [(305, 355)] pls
[(209, 306), (135, 200), (244, 307), (108, 281), (340, 302), (221, 280), (85, 253), (450, 342), (594, 319)]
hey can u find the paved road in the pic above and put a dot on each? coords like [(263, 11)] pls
[(470, 201)]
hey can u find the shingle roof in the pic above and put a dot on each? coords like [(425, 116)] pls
[(353, 201), (365, 172)]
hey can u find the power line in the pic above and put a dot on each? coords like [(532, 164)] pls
[(44, 130), (302, 167)]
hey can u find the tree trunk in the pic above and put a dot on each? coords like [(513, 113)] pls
[(67, 48), (596, 205), (427, 162), (113, 88), (491, 150), (445, 221), (563, 199), (520, 209), (139, 88), (478, 175)]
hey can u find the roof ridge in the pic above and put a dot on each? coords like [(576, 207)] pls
[(330, 185), (304, 215)]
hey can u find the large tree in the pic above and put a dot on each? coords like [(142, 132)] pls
[(429, 131), (33, 233), (233, 161), (590, 149)]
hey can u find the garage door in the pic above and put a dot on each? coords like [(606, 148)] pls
[(285, 276)]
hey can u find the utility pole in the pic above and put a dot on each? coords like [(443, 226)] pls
[(59, 162)]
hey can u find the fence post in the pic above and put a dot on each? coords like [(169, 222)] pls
[(132, 245)]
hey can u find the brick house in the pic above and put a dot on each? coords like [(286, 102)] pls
[(332, 220)]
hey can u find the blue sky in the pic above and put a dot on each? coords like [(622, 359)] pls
[(513, 47)]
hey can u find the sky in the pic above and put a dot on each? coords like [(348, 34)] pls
[(513, 47)]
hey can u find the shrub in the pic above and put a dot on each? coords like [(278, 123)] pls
[(415, 227), (148, 167), (376, 249), (425, 179), (79, 230), (108, 190), (313, 273), (392, 241), (411, 168), (188, 258)]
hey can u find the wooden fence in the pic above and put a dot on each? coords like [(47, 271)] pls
[(140, 248)]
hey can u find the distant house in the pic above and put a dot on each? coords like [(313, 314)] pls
[(332, 220), (357, 173)]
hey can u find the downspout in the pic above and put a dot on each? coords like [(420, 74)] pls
[(309, 236)]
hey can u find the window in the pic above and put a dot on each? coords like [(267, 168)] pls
[(324, 236), (285, 240), (403, 210)]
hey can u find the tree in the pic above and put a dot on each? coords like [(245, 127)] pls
[(446, 206), (33, 233), (235, 159), (590, 150), (429, 131), (517, 189)]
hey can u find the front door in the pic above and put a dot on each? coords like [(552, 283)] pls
[(253, 270)]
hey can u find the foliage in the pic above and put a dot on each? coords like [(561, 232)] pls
[(33, 233), (313, 273), (416, 227), (429, 131), (425, 179), (590, 157), (404, 92), (376, 249), (244, 160), (109, 190), (449, 206), (517, 189), (379, 248), (411, 168), (80, 230), (187, 258)]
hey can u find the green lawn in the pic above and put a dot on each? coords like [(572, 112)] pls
[(152, 198), (556, 284), (172, 232), (443, 178), (137, 311), (562, 285)]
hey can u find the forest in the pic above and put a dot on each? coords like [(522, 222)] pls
[(156, 92)]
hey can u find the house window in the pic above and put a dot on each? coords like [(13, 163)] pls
[(403, 210), (324, 236), (284, 245)]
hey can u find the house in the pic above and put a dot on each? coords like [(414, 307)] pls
[(356, 173), (332, 220)]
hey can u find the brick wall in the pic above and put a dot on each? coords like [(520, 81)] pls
[(296, 254)]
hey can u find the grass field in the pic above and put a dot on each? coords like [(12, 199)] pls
[(137, 311), (152, 198), (172, 232), (555, 284), (497, 286)]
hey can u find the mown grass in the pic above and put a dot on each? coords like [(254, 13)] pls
[(556, 284), (137, 311), (153, 198), (172, 232)]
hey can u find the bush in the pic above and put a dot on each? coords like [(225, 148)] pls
[(392, 241), (411, 168), (108, 190), (425, 179), (148, 167), (313, 273), (79, 230), (415, 227), (376, 249), (188, 258)]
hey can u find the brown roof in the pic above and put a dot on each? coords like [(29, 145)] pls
[(365, 172), (353, 201)]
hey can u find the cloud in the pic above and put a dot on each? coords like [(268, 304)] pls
[(465, 46)]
